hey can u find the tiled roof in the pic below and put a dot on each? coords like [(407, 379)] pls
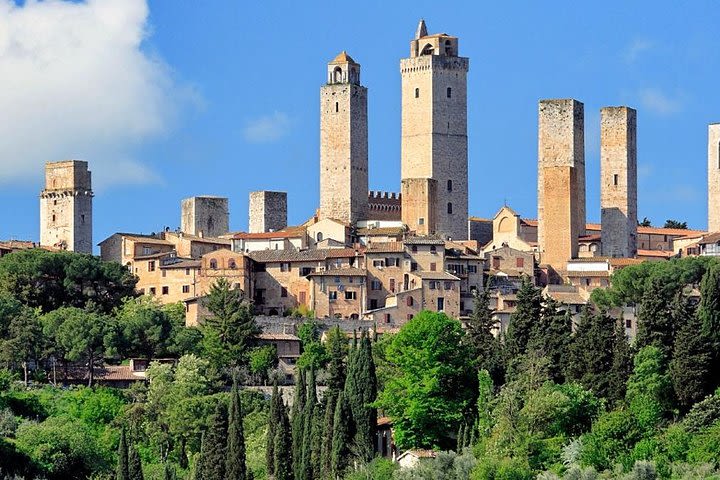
[(380, 231), (435, 275), (278, 336), (424, 241), (183, 264), (339, 272), (17, 244), (275, 256), (655, 253), (568, 298), (589, 238), (710, 238), (290, 232), (385, 247), (343, 57), (153, 255), (622, 262), (674, 232), (107, 373), (146, 239)]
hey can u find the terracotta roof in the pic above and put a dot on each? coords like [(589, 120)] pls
[(380, 231), (710, 238), (17, 244), (153, 255), (589, 260), (383, 421), (290, 232), (107, 373), (339, 272), (435, 276), (655, 253), (621, 262), (569, 298), (278, 336), (424, 241), (676, 232), (588, 273), (183, 264), (146, 239), (385, 247), (343, 57), (275, 256), (589, 238)]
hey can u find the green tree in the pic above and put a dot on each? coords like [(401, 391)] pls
[(655, 323), (122, 472), (342, 438), (273, 423), (211, 464), (645, 222), (675, 224), (50, 280), (235, 467), (82, 336), (328, 429), (135, 471), (23, 340), (524, 321), (486, 349), (649, 390), (361, 392), (691, 365), (144, 329), (298, 423), (434, 384), (709, 314), (621, 367), (231, 326), (283, 447), (306, 467), (262, 360), (591, 352), (552, 337), (337, 348)]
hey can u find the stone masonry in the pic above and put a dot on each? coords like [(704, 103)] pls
[(66, 206), (714, 177), (419, 197), (561, 143), (205, 216), (434, 127), (268, 211), (343, 143), (618, 181)]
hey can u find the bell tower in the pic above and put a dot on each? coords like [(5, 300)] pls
[(343, 142)]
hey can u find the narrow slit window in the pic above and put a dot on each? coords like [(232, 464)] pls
[(417, 93), (449, 207), (615, 179), (337, 107), (449, 92)]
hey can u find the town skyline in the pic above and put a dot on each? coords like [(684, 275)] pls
[(286, 139)]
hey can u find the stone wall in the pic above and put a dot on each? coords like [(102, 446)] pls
[(618, 181), (66, 206), (268, 211), (384, 206), (714, 177), (205, 216), (419, 199)]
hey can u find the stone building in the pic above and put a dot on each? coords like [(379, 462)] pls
[(561, 179), (434, 149), (268, 211), (343, 142), (618, 181), (205, 216), (714, 177), (66, 207)]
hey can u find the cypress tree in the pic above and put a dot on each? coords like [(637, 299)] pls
[(709, 315), (622, 365), (198, 473), (211, 465), (122, 472), (308, 420), (283, 448), (235, 468), (361, 392), (342, 438), (134, 464), (317, 441), (655, 323), (328, 428), (273, 421), (552, 337), (298, 424), (691, 366), (591, 352), (486, 348), (461, 437), (337, 348), (168, 472), (524, 321)]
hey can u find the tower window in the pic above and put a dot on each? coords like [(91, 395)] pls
[(449, 185), (615, 179), (337, 75), (337, 107), (53, 218), (417, 93), (54, 202), (82, 219), (449, 209), (421, 221), (449, 92)]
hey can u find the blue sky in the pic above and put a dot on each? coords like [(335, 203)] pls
[(178, 98)]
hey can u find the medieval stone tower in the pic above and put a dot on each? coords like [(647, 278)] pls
[(561, 180), (714, 177), (434, 136), (268, 211), (618, 181), (206, 216), (66, 207), (343, 142)]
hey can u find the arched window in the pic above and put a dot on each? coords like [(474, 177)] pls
[(417, 93), (409, 301), (319, 236), (427, 50), (213, 264), (449, 185), (448, 47), (449, 209), (449, 92), (337, 75), (232, 264)]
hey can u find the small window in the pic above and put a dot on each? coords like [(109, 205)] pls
[(433, 249), (421, 221), (417, 93), (472, 268), (375, 285), (319, 236), (82, 219), (449, 208), (285, 267), (187, 271), (53, 219), (414, 248), (152, 290), (448, 286), (496, 263), (165, 290), (213, 264), (433, 267), (54, 202), (337, 107), (615, 179), (164, 273), (151, 266), (332, 295), (409, 301), (283, 292), (628, 323), (350, 295), (441, 304), (449, 185), (431, 285), (449, 92), (388, 318), (186, 288), (413, 266), (520, 262), (231, 264), (392, 285)]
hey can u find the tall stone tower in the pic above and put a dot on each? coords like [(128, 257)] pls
[(714, 177), (66, 207), (618, 181), (268, 211), (205, 216), (343, 142), (561, 179), (434, 134)]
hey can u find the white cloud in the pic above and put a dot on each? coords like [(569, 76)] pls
[(77, 84), (633, 51), (659, 102), (268, 128)]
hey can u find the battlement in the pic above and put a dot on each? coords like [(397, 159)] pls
[(376, 194), (384, 205)]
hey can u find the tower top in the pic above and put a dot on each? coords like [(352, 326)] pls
[(343, 69), (421, 30)]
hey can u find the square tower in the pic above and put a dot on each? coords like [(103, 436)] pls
[(714, 177), (343, 143), (561, 143), (618, 181), (205, 216), (268, 211), (66, 207), (434, 127)]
